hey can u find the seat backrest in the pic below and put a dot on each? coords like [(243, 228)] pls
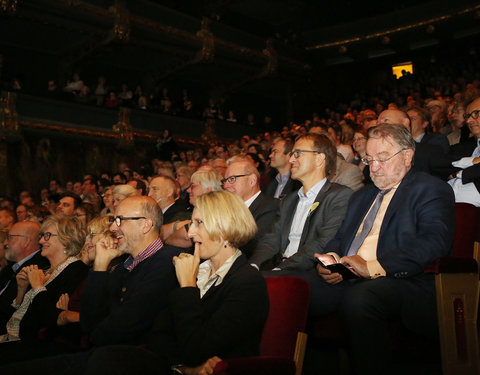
[(289, 302), (467, 229)]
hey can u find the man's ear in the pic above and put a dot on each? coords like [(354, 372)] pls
[(147, 227), (320, 159), (408, 155)]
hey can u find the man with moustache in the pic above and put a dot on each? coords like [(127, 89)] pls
[(119, 307)]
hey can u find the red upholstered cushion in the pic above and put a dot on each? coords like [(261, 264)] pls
[(289, 300), (467, 229), (264, 365)]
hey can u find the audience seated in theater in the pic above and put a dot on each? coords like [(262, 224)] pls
[(417, 220), (61, 240), (310, 217), (243, 179), (438, 110), (21, 250), (119, 179), (218, 312), (282, 184), (466, 156), (69, 305), (119, 307)]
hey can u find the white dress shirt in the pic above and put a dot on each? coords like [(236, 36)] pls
[(465, 193)]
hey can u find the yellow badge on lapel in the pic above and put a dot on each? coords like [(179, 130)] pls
[(314, 206)]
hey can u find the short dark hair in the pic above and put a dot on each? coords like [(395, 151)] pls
[(77, 201), (140, 185), (324, 145)]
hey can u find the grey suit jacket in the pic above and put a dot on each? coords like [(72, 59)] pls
[(320, 227)]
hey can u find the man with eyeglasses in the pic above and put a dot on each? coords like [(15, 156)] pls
[(309, 217), (22, 249), (392, 230), (243, 179), (466, 156), (428, 157), (119, 307)]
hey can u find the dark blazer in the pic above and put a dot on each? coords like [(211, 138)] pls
[(290, 186), (320, 227), (6, 275), (227, 322), (417, 229), (177, 211), (43, 313), (119, 307), (437, 139), (264, 210), (470, 174)]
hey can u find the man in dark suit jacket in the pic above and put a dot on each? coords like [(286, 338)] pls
[(119, 307), (164, 190), (282, 184), (22, 249), (466, 157), (420, 120), (429, 157), (243, 179), (310, 217), (413, 227)]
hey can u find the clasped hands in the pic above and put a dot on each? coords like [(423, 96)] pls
[(186, 268), (355, 262), (105, 251), (31, 275)]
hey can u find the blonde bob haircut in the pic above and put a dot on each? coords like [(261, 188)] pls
[(225, 216), (69, 230), (99, 225)]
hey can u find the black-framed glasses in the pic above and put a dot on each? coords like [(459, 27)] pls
[(46, 235), (297, 153), (473, 114), (9, 236), (118, 219), (233, 179), (369, 160)]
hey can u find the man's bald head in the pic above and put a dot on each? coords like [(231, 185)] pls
[(23, 241), (394, 116), (164, 190)]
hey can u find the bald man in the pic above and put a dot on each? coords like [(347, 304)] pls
[(165, 191), (22, 249), (428, 158)]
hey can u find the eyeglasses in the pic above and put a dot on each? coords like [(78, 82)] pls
[(473, 115), (9, 236), (369, 160), (118, 219), (46, 236), (297, 153), (233, 179)]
